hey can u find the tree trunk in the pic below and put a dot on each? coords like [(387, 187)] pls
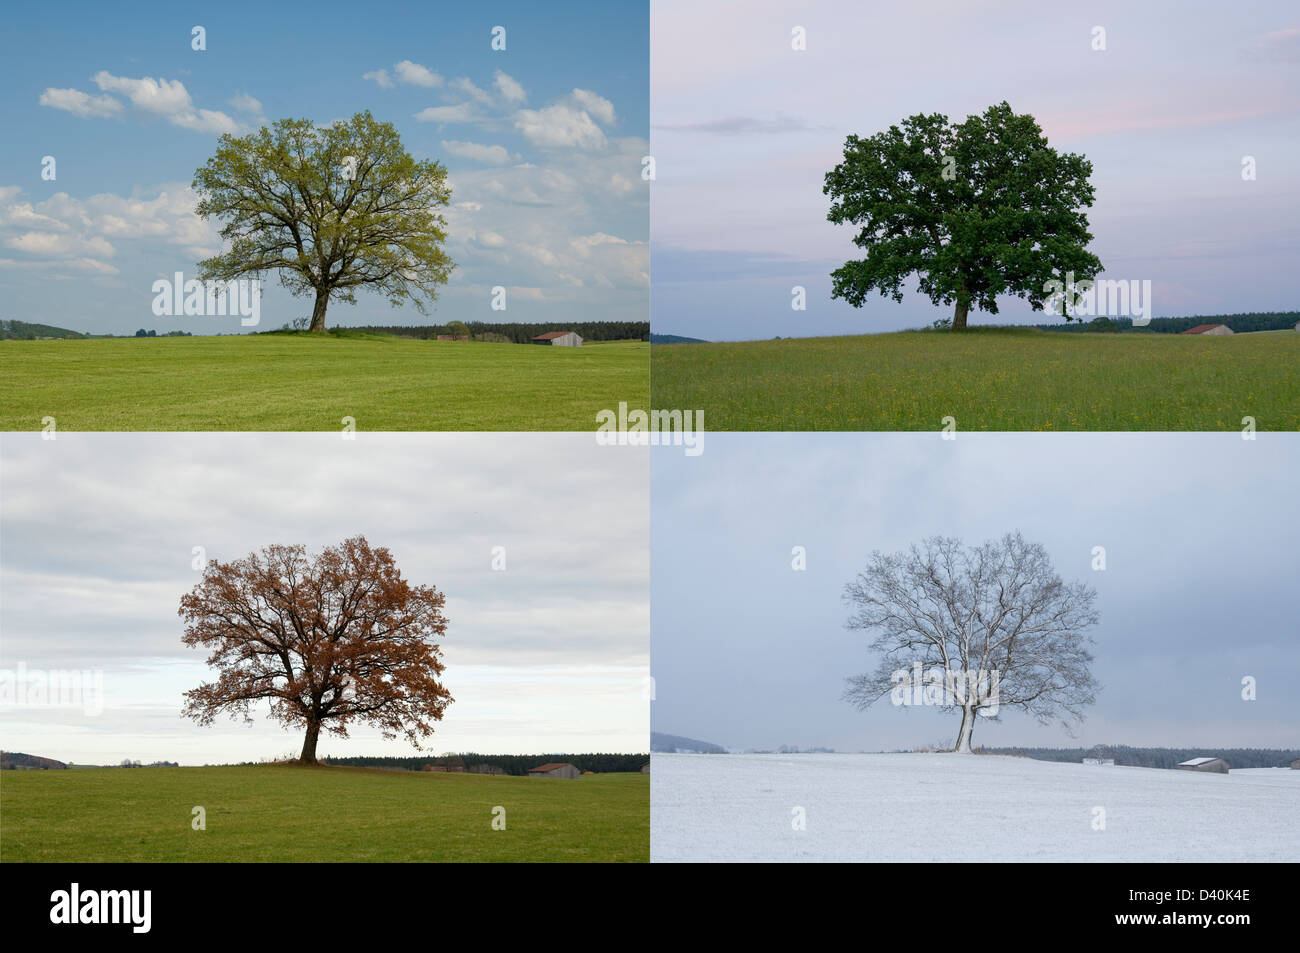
[(318, 312), (309, 743), (967, 729), (959, 315)]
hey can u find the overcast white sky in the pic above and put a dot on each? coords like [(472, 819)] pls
[(1199, 590), (744, 129), (550, 655)]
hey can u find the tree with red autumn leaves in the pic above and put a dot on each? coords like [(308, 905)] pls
[(327, 641)]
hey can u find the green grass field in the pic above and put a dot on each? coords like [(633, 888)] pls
[(312, 381), (987, 379), (291, 813)]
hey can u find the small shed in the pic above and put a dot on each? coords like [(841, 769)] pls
[(645, 768), (1109, 761), (554, 769), (1211, 329), (1213, 765), (1295, 765), (559, 339)]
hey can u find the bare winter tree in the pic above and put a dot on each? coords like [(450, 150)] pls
[(989, 627)]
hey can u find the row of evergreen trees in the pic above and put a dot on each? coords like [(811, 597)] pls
[(1159, 757), (518, 333), (1240, 323), (512, 764)]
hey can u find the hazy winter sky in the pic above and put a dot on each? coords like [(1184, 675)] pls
[(543, 142), (1200, 536), (549, 655), (744, 130)]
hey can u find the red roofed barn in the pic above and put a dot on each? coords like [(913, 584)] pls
[(559, 339)]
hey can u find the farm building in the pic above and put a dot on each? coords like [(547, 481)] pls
[(1110, 761), (1213, 329), (1214, 765), (559, 339), (645, 768), (554, 769), (1295, 765)]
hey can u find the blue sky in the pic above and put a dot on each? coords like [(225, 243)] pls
[(744, 129), (543, 142), (1198, 591)]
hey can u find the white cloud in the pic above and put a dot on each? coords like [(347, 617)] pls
[(245, 103), (598, 106), (76, 264), (405, 71), (509, 88), (559, 126), (461, 112), (466, 85), (492, 155), (416, 75), (81, 232), (81, 104), (570, 224), (60, 245), (165, 98)]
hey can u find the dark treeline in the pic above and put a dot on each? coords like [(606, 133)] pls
[(513, 764), (522, 333), (25, 331), (1240, 323), (1159, 757), (14, 760)]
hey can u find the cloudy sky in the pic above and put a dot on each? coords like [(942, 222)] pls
[(543, 142), (745, 128), (98, 532), (1198, 592)]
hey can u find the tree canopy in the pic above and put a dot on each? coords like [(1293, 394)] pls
[(994, 621), (331, 209), (326, 641), (976, 209)]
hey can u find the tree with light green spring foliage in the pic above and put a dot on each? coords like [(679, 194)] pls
[(331, 209)]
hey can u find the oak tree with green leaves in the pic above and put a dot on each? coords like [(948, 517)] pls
[(976, 209), (331, 209)]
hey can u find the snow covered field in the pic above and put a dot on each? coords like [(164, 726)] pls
[(943, 807)]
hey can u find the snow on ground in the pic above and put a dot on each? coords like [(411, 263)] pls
[(944, 807)]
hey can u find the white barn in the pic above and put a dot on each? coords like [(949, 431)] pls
[(559, 339), (1211, 329), (1214, 765), (554, 769)]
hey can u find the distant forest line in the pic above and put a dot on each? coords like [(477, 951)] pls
[(514, 333), (517, 333), (512, 764), (1158, 757), (1239, 323)]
